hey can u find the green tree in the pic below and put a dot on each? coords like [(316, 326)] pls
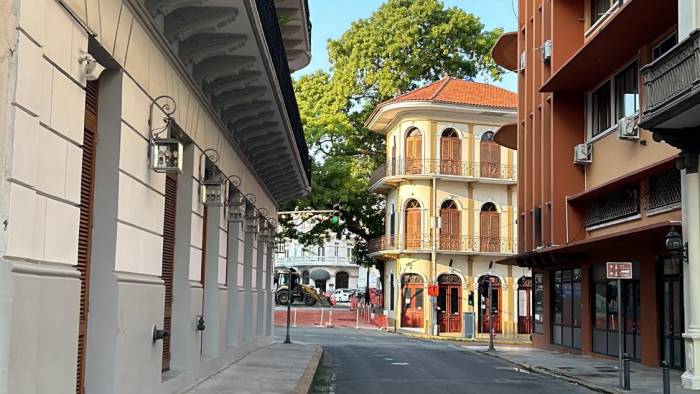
[(401, 46)]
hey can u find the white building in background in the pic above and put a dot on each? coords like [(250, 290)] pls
[(101, 256), (326, 267)]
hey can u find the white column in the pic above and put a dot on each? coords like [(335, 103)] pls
[(211, 334), (248, 257), (691, 235), (688, 17), (234, 232)]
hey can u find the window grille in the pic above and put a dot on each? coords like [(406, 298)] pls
[(664, 190), (615, 205)]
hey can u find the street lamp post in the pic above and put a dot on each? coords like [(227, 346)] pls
[(289, 303), (490, 315)]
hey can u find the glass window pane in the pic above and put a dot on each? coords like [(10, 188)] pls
[(627, 91), (566, 301), (454, 301), (577, 305), (600, 109), (598, 9), (539, 302), (419, 298), (407, 295), (600, 305), (442, 299), (556, 302), (612, 305)]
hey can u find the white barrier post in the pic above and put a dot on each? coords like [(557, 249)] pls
[(330, 318), (357, 320), (321, 323), (295, 318)]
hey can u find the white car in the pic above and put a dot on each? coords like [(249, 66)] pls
[(342, 295)]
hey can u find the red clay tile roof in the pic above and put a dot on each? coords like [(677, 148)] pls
[(458, 91)]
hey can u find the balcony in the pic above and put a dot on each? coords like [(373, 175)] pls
[(391, 173), (672, 91), (297, 261), (394, 244)]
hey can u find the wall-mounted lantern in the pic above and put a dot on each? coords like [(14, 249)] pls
[(675, 245), (165, 148), (211, 191), (236, 201), (251, 215)]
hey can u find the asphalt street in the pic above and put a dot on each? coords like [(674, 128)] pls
[(368, 361)]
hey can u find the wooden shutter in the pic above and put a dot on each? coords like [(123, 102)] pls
[(490, 159), (449, 229), (414, 153), (490, 231), (87, 186), (168, 260), (413, 227)]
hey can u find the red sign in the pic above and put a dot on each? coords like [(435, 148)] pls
[(433, 290), (619, 270)]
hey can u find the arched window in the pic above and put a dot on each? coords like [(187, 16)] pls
[(490, 156), (305, 278), (450, 238), (413, 224), (414, 151), (342, 280), (490, 228), (450, 153)]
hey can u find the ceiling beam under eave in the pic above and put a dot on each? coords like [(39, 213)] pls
[(201, 46), (184, 22), (238, 81), (232, 115), (232, 98), (213, 68)]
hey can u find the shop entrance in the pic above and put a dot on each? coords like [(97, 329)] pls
[(496, 306), (412, 301), (450, 303), (672, 347), (607, 319), (524, 305)]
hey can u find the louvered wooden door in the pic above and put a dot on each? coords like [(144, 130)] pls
[(413, 235), (450, 155), (490, 231), (87, 187), (449, 229), (414, 153), (490, 159), (168, 260)]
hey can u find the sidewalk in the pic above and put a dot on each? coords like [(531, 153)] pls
[(594, 373), (278, 368)]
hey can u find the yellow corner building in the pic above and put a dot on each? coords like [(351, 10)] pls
[(450, 211)]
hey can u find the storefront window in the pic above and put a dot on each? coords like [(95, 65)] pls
[(608, 320), (566, 308), (539, 302)]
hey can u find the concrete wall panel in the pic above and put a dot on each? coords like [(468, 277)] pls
[(138, 251)]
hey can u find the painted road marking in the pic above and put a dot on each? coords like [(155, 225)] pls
[(388, 359), (399, 363)]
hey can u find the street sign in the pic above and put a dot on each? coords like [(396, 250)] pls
[(619, 270)]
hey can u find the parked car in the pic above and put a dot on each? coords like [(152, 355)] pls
[(342, 295)]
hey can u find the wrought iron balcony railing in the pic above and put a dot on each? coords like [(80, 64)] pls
[(671, 77), (402, 166), (452, 243)]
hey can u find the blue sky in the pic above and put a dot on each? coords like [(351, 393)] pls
[(330, 19)]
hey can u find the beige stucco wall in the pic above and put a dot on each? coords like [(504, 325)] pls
[(606, 166)]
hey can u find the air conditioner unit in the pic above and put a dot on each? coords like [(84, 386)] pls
[(627, 128), (547, 51), (583, 154), (523, 57)]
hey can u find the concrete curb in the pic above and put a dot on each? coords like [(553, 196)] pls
[(467, 342), (555, 374), (307, 378)]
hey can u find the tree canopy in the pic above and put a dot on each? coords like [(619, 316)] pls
[(401, 46)]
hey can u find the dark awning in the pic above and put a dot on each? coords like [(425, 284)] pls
[(319, 275)]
